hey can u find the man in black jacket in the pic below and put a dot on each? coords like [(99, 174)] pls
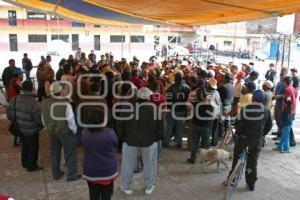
[(8, 72), (177, 94), (27, 66), (253, 124), (28, 118)]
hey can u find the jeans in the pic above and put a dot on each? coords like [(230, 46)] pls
[(27, 74), (174, 127), (159, 152), (100, 192), (129, 159), (284, 143), (199, 132)]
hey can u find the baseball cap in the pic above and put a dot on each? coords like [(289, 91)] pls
[(259, 95), (254, 73), (251, 85), (228, 76), (294, 69), (241, 74), (144, 93), (18, 71)]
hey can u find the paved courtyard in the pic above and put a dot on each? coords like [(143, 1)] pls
[(279, 176)]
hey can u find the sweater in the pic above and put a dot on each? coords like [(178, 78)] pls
[(99, 158)]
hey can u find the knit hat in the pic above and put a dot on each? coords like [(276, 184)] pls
[(259, 95)]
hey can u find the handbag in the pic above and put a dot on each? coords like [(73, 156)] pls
[(14, 127)]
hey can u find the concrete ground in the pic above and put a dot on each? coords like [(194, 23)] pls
[(279, 176)]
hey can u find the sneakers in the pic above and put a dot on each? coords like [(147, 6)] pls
[(285, 151), (149, 190), (128, 192)]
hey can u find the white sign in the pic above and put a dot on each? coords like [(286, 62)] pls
[(286, 24)]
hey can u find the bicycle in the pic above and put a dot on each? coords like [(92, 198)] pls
[(228, 132), (235, 176)]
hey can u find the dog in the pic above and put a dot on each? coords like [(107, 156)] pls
[(215, 156)]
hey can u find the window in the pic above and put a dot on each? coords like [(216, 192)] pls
[(174, 39), (35, 15), (227, 43), (97, 42), (77, 24), (12, 18), (137, 38), (37, 38), (97, 26), (117, 38), (13, 42), (204, 38), (75, 42), (64, 38)]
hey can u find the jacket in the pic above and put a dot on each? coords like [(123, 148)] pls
[(254, 120), (99, 158), (57, 122), (7, 75), (28, 113), (141, 130), (178, 93)]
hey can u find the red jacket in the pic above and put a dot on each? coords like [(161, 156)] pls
[(14, 88)]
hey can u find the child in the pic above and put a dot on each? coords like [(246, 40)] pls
[(99, 159), (284, 144)]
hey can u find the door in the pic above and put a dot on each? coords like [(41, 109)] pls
[(75, 42), (13, 42), (12, 18), (97, 45)]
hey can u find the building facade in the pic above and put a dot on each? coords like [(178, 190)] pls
[(24, 30)]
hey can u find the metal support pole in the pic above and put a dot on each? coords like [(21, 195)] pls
[(277, 54), (233, 46), (122, 42), (289, 53), (283, 51)]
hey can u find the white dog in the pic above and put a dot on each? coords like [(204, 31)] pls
[(215, 156)]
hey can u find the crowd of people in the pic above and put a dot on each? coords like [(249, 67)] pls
[(138, 108)]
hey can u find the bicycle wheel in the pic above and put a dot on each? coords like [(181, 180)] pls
[(234, 179)]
